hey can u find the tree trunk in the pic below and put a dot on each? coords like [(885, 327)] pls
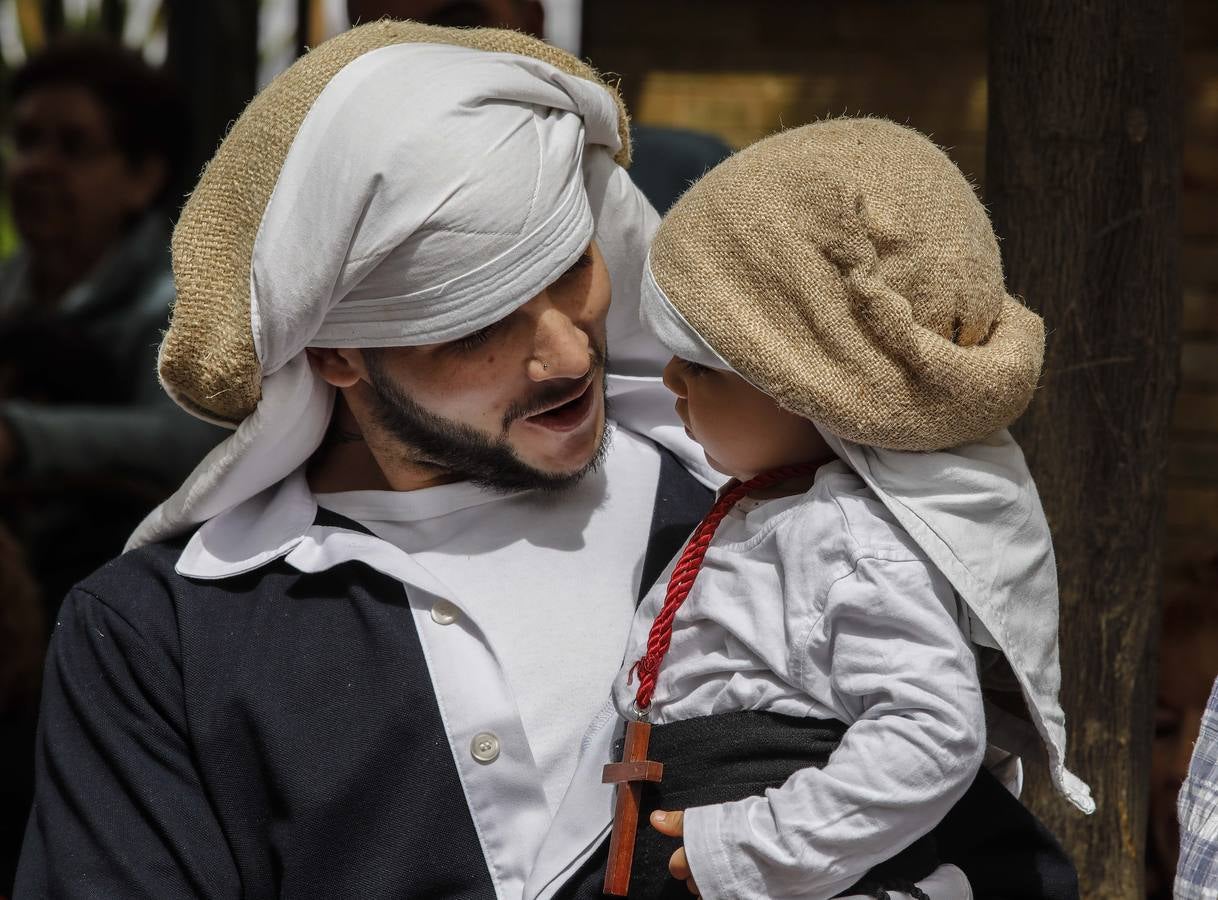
[(1083, 182)]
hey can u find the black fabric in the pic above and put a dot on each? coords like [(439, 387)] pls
[(273, 734), (1005, 852), (678, 496), (721, 759)]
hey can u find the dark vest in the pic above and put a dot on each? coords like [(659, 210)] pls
[(301, 702)]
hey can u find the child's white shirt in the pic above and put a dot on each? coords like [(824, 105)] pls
[(820, 605)]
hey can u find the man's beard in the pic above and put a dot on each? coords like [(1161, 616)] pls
[(464, 451)]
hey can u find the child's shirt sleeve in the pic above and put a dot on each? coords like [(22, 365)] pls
[(898, 662)]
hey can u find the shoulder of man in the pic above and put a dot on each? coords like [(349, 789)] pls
[(138, 585)]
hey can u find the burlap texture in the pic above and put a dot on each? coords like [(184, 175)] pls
[(208, 359), (848, 269)]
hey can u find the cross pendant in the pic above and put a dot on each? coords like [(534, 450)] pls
[(628, 775)]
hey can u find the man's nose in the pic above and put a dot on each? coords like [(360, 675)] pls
[(562, 349)]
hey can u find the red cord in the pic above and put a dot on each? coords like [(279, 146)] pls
[(682, 580)]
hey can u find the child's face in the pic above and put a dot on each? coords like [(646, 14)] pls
[(742, 431)]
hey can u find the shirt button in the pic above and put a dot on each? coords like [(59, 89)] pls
[(444, 612), (484, 747)]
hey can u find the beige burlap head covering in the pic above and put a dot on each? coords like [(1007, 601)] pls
[(848, 269), (400, 185), (208, 360)]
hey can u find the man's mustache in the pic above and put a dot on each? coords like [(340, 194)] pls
[(558, 391)]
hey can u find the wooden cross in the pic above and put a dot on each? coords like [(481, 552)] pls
[(628, 775)]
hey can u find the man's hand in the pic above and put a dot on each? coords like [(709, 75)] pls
[(673, 825)]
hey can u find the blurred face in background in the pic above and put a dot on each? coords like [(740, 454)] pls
[(523, 15), (72, 189)]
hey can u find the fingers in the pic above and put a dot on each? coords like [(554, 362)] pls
[(668, 822), (673, 824), (678, 866)]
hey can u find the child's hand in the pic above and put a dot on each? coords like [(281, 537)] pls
[(673, 825)]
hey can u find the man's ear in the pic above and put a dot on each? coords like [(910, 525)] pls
[(339, 366)]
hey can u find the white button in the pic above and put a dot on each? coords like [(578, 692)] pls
[(484, 747), (444, 613)]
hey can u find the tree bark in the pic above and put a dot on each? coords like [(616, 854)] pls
[(1082, 179)]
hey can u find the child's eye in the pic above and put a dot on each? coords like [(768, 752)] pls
[(694, 369)]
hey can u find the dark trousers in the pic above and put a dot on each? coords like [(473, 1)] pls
[(1005, 852)]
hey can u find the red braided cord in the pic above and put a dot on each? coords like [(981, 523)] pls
[(682, 580)]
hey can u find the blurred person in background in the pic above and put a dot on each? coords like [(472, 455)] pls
[(1188, 664), (22, 641), (666, 160), (88, 440)]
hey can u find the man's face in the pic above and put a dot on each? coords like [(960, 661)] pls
[(69, 180), (519, 404)]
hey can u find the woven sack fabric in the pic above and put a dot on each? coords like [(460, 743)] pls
[(848, 269), (207, 357)]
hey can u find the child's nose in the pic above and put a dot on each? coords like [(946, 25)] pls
[(673, 379)]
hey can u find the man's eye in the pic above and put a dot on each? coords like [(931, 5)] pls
[(479, 337), (582, 263)]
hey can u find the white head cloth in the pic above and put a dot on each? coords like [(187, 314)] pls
[(975, 512), (430, 191)]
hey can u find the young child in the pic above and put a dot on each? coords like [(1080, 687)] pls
[(845, 349)]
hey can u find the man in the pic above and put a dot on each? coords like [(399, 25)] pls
[(356, 653), (88, 440), (666, 160), (95, 145)]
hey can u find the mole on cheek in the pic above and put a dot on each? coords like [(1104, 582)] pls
[(490, 360)]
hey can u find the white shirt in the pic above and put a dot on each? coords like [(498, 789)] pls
[(517, 565), (491, 701), (821, 605)]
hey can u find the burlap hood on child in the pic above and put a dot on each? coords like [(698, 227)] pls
[(208, 360), (872, 305), (847, 269)]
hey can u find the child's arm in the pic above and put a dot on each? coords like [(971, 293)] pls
[(892, 657)]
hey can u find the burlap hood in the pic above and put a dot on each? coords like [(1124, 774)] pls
[(399, 185), (208, 360), (871, 304)]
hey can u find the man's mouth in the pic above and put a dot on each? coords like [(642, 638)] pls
[(569, 413)]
